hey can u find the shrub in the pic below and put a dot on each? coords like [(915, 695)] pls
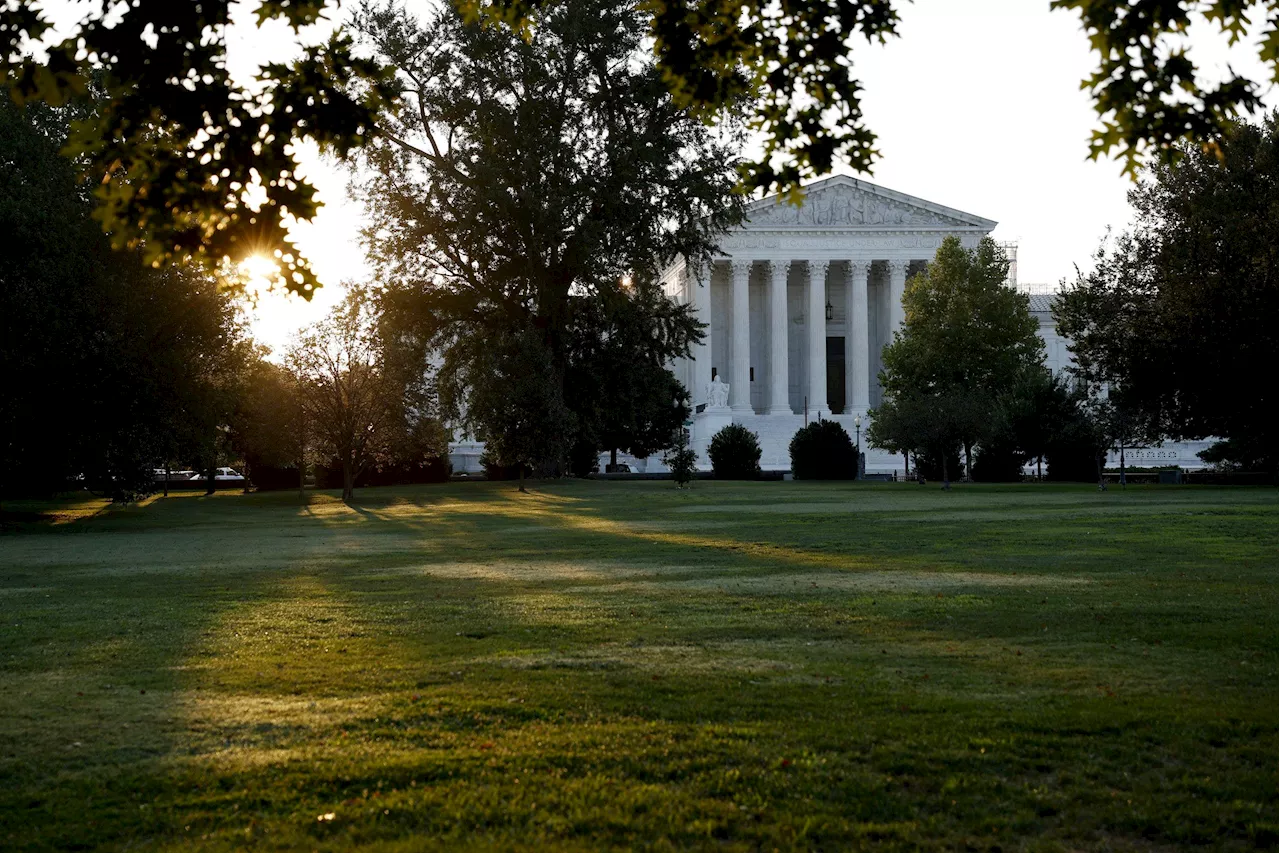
[(997, 463), (929, 463), (823, 451), (735, 454), (274, 478)]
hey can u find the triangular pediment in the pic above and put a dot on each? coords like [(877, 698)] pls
[(844, 202)]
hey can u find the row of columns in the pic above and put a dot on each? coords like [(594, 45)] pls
[(858, 344)]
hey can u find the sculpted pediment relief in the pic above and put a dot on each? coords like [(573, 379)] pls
[(843, 205)]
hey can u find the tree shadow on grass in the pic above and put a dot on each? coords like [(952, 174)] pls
[(93, 687)]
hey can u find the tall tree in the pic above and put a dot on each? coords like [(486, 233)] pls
[(967, 337), (1188, 299), (268, 429), (354, 408), (527, 192)]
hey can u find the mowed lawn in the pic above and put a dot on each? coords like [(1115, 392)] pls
[(593, 666)]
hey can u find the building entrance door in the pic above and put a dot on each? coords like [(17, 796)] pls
[(835, 375)]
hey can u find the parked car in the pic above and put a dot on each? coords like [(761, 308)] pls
[(174, 474), (222, 475)]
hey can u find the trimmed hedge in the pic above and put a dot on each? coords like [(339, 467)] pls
[(735, 454), (823, 451)]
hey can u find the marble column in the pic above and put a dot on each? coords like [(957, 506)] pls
[(740, 373), (779, 391), (858, 349), (897, 285), (700, 286), (816, 321)]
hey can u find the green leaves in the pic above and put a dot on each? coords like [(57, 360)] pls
[(1188, 299), (185, 163), (1146, 91)]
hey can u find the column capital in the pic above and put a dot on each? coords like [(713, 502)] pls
[(820, 267), (778, 266), (740, 267), (897, 267), (859, 269)]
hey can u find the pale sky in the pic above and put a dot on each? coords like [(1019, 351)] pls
[(977, 106)]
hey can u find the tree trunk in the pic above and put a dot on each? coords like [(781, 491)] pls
[(1102, 483), (1038, 476), (613, 459), (906, 465), (968, 461), (212, 483), (302, 478), (166, 478), (946, 478), (348, 480), (522, 488), (247, 472)]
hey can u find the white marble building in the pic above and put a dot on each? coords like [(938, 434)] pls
[(800, 304)]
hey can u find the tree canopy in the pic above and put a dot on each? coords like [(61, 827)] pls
[(1183, 307)]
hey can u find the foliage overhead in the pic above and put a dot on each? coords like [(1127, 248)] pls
[(185, 161), (1146, 90), (180, 143)]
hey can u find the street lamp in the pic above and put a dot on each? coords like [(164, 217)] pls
[(857, 461)]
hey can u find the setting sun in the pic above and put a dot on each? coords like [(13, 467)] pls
[(259, 273)]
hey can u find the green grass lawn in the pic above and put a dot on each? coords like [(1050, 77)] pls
[(750, 666)]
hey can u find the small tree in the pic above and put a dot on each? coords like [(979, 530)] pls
[(735, 453), (352, 405), (823, 451), (681, 459)]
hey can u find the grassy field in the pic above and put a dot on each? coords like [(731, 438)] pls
[(749, 666)]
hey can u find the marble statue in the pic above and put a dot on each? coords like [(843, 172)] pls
[(717, 394)]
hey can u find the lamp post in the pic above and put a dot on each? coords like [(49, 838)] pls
[(857, 461)]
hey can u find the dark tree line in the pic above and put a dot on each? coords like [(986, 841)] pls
[(111, 367), (966, 389)]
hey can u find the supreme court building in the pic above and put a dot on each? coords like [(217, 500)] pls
[(799, 305)]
